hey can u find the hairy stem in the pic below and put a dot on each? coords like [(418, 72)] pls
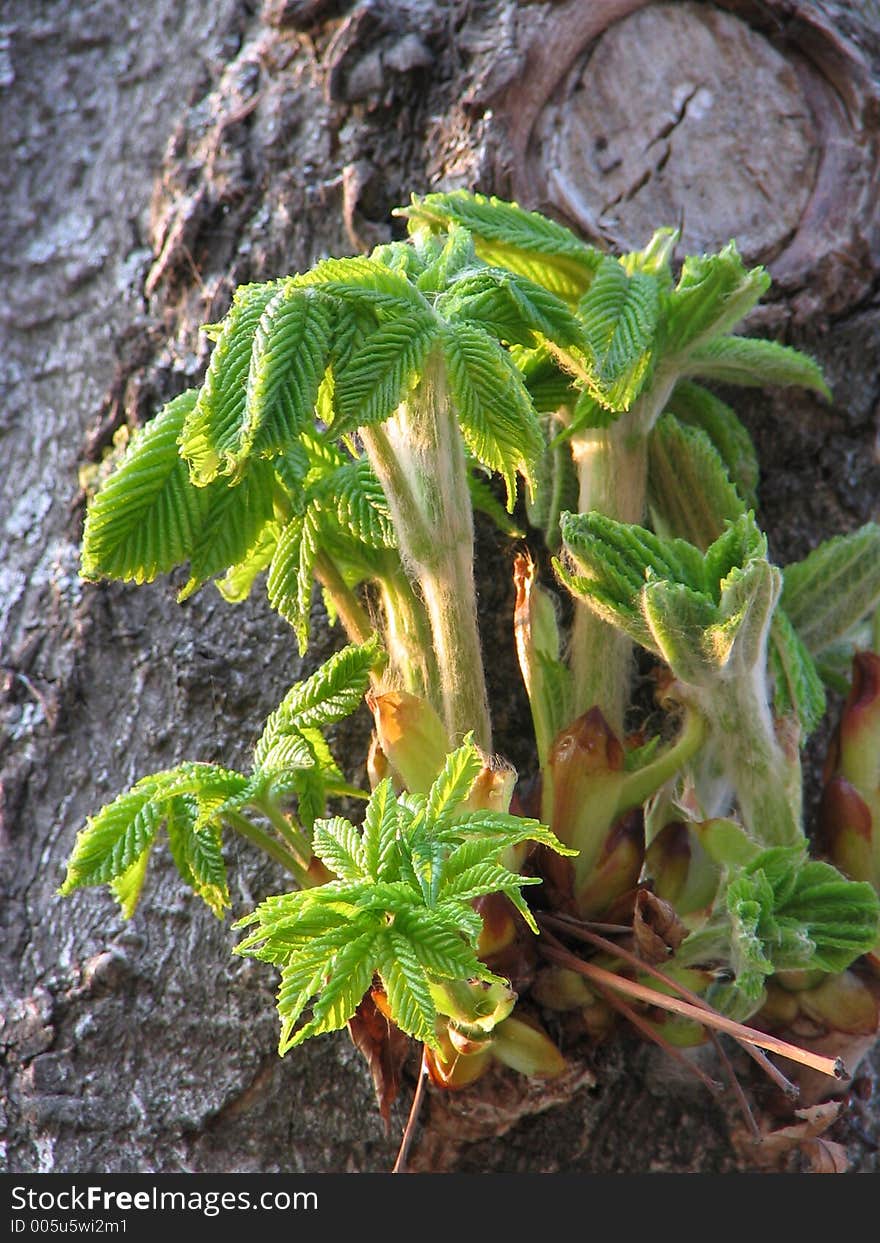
[(419, 459), (612, 468), (765, 775), (353, 615), (612, 471), (407, 635)]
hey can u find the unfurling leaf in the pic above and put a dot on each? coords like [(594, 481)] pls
[(713, 294), (620, 314), (289, 357), (505, 235), (510, 307), (115, 845), (333, 692), (114, 840), (126, 889), (556, 490), (797, 686), (690, 493), (484, 501), (784, 912), (706, 614), (454, 781), (211, 433), (231, 523), (291, 573), (380, 373)]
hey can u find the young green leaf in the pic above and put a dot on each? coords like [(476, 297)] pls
[(381, 825), (549, 385), (401, 908), (115, 844), (655, 258), (289, 356), (497, 419), (207, 869), (622, 556), (505, 235), (692, 609), (368, 284), (713, 294), (114, 840), (211, 431), (331, 693), (144, 519), (359, 504), (690, 494), (414, 263), (510, 307), (238, 581), (754, 362), (556, 490), (697, 407), (127, 888), (746, 604), (784, 912), (407, 989), (338, 843), (444, 257), (797, 685), (378, 375), (834, 587), (211, 786), (451, 788), (287, 752), (620, 315), (484, 501), (291, 573), (232, 521)]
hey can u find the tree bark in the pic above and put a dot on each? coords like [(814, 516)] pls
[(159, 153)]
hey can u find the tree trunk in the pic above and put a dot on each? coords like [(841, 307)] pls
[(159, 153)]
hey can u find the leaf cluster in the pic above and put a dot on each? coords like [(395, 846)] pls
[(782, 911), (704, 613), (401, 909)]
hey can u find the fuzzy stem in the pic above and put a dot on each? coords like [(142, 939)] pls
[(612, 468), (407, 635), (353, 615), (765, 776), (269, 846), (419, 459)]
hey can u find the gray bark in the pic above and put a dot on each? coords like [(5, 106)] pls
[(156, 154)]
